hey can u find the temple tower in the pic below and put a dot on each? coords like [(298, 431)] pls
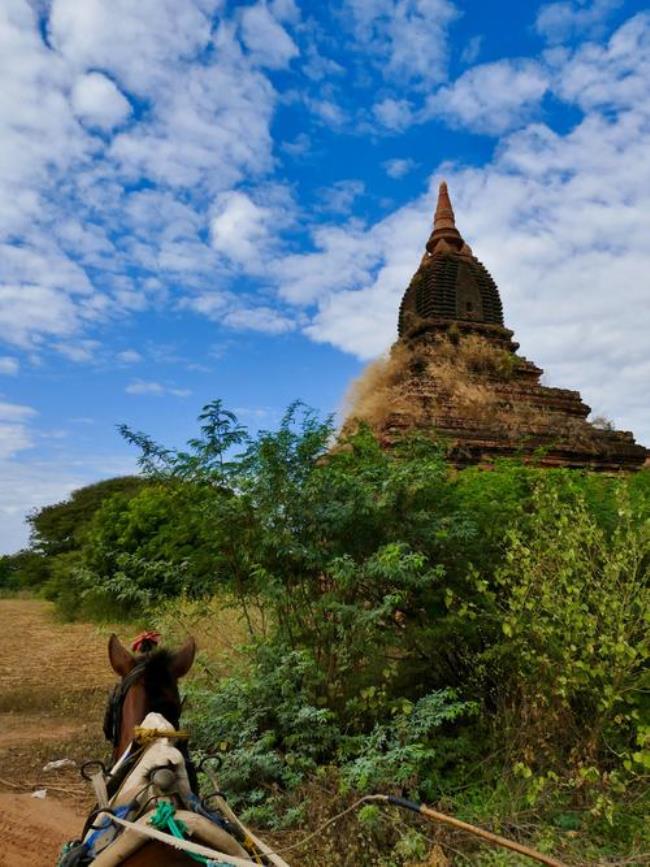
[(455, 372)]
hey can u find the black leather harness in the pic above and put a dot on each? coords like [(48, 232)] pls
[(113, 715)]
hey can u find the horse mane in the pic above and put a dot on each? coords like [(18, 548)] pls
[(160, 684), (157, 665)]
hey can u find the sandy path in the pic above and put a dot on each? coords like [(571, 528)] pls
[(53, 683), (32, 831)]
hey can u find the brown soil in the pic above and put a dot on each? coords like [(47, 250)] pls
[(32, 831), (53, 683)]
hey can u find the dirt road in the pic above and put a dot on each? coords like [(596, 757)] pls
[(53, 683)]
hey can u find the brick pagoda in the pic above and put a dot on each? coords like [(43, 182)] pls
[(455, 371)]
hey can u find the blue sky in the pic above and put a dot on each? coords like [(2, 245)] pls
[(204, 199)]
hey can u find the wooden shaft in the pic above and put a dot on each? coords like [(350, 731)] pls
[(230, 814), (495, 839)]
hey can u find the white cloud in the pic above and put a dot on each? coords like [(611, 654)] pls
[(39, 131), (344, 257), (286, 10), (494, 98), (13, 438), (394, 114), (39, 139), (472, 50), (267, 41), (562, 20), (210, 304), (15, 435), (317, 67), (266, 320), (209, 126), (129, 356), (340, 196), (35, 311), (98, 102), (8, 365), (298, 147), (239, 312), (138, 43), (28, 486), (615, 75), (491, 97), (240, 229), (66, 261), (328, 111), (399, 167), (144, 387), (15, 412), (407, 38), (81, 351)]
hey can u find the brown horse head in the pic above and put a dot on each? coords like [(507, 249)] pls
[(149, 683)]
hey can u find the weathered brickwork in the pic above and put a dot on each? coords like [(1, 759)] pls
[(461, 376)]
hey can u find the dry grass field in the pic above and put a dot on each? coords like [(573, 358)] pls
[(53, 683)]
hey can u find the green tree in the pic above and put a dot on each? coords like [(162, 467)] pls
[(60, 527), (143, 548)]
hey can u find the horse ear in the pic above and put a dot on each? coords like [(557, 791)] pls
[(183, 658), (121, 660)]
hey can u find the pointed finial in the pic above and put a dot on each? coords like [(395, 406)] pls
[(444, 216), (445, 236)]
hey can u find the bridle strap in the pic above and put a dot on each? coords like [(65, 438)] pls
[(113, 718)]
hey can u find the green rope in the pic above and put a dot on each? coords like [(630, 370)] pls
[(65, 849), (164, 820)]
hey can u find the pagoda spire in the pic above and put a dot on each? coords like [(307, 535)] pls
[(445, 236), (444, 216)]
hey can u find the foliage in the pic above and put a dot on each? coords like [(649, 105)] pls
[(573, 603), (409, 750), (148, 547), (21, 571), (61, 527), (8, 576), (267, 726), (271, 729), (476, 636), (58, 534)]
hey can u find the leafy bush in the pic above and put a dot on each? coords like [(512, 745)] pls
[(61, 527), (573, 603), (272, 729), (409, 751), (268, 727)]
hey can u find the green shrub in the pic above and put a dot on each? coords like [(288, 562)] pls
[(571, 671), (271, 730), (268, 727)]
